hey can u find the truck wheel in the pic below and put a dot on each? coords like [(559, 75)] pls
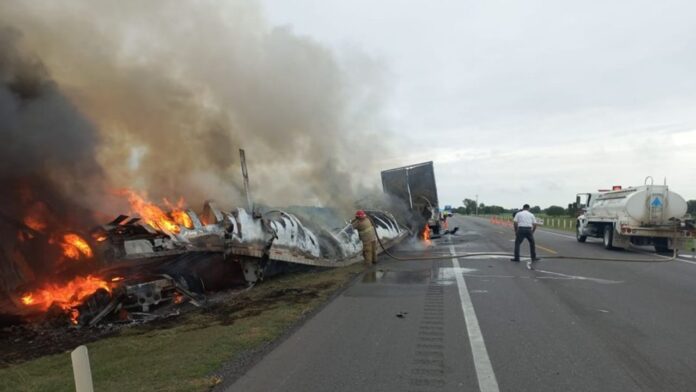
[(662, 245), (580, 238), (608, 237)]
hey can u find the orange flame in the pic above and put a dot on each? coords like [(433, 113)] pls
[(151, 213), (73, 245), (28, 299), (182, 218), (66, 296), (178, 298), (425, 235), (35, 223)]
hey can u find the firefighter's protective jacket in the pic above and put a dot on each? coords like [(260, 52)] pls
[(365, 230)]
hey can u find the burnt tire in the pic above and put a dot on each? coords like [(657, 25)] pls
[(608, 237), (578, 236)]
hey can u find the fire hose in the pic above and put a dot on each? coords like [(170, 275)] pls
[(475, 254)]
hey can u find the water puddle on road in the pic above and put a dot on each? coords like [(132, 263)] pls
[(449, 274), (398, 277), (442, 276), (558, 275)]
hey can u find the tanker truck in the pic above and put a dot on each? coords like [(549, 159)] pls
[(642, 215)]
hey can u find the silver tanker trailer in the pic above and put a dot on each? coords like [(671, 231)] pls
[(642, 215)]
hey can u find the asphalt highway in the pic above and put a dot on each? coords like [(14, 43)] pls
[(488, 324)]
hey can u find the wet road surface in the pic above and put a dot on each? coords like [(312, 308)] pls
[(489, 324)]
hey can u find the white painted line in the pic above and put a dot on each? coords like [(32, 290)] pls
[(482, 363), (577, 277), (558, 234), (679, 258), (682, 258)]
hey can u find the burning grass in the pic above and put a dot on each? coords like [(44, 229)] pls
[(182, 354)]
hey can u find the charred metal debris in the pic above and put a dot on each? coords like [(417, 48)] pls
[(147, 268)]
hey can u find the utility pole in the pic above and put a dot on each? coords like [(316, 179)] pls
[(476, 213), (408, 189), (245, 174)]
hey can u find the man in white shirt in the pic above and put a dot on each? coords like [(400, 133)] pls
[(525, 224)]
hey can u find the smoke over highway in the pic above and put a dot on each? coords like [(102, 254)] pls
[(159, 97)]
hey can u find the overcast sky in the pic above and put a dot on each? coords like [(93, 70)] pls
[(525, 101)]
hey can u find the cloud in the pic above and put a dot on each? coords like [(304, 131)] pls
[(529, 99)]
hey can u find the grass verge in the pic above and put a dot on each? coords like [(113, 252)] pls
[(182, 354)]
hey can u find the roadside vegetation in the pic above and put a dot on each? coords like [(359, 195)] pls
[(470, 207), (553, 217), (185, 353)]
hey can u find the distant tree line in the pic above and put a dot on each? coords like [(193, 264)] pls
[(469, 208)]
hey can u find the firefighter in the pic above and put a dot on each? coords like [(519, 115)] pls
[(367, 235)]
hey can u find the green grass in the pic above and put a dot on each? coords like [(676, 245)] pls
[(182, 355)]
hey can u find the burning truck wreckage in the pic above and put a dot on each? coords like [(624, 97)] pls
[(126, 269), (75, 258)]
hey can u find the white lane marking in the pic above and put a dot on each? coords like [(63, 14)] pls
[(501, 257), (450, 273), (558, 234), (576, 277), (679, 258), (482, 363), (572, 237), (495, 276)]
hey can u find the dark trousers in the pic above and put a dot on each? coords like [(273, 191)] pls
[(520, 235)]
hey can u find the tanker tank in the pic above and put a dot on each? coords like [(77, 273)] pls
[(644, 205)]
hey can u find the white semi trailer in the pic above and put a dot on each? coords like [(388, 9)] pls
[(643, 215)]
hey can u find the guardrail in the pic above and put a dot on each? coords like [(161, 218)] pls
[(559, 223)]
